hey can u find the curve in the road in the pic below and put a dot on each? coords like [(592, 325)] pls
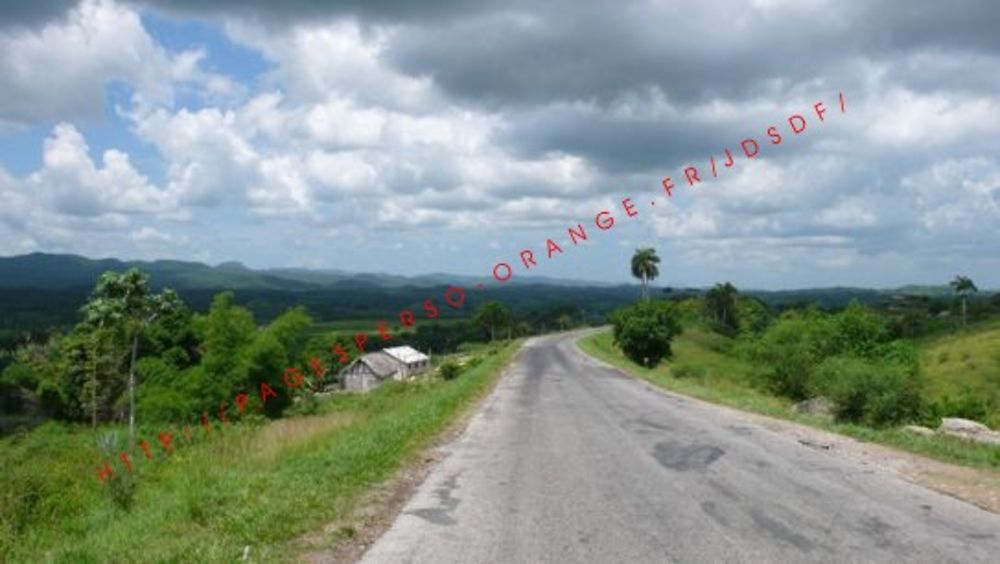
[(570, 461)]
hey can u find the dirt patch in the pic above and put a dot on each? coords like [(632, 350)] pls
[(347, 540)]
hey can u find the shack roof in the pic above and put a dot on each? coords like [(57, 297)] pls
[(406, 355), (381, 365)]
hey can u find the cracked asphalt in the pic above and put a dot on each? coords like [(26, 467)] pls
[(570, 461)]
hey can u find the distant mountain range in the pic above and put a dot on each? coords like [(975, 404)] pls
[(41, 291), (56, 271)]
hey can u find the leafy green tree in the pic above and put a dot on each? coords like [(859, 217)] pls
[(644, 268), (225, 332), (45, 371), (754, 316), (271, 354), (858, 331), (644, 331), (963, 285), (493, 315), (791, 348), (722, 303), (125, 300)]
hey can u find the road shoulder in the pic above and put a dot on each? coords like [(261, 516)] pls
[(347, 539), (978, 486)]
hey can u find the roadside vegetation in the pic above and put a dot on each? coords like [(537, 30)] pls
[(875, 369), (113, 441), (254, 485)]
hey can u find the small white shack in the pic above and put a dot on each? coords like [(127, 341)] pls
[(371, 370), (411, 361)]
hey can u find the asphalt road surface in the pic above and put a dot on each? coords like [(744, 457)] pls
[(570, 461)]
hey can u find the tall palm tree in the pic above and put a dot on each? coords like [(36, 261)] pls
[(722, 302), (644, 268), (962, 286)]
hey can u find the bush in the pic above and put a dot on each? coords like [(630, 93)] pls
[(165, 393), (967, 406), (449, 370), (790, 350), (876, 393), (644, 331), (858, 331)]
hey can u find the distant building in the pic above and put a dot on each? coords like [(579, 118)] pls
[(411, 361), (373, 369)]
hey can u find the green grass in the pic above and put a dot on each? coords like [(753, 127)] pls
[(257, 485), (966, 362), (717, 376)]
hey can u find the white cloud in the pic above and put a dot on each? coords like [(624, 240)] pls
[(209, 158), (147, 233), (71, 183), (359, 126), (849, 213), (957, 196), (905, 118), (61, 71), (335, 56)]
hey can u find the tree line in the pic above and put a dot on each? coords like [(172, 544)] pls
[(135, 351), (861, 358)]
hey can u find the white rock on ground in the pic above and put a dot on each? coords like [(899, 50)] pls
[(970, 430)]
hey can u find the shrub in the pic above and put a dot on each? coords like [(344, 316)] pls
[(449, 370), (644, 331), (789, 351), (967, 406), (166, 394), (858, 331), (876, 393)]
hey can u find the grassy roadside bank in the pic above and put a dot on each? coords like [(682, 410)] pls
[(260, 486), (701, 372)]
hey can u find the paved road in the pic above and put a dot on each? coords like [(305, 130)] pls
[(568, 461)]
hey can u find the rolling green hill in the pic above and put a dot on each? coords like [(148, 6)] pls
[(966, 363)]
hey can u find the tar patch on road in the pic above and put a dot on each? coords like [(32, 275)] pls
[(686, 457), (441, 515), (780, 531)]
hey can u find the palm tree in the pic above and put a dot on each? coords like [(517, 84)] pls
[(962, 286), (644, 268), (722, 302)]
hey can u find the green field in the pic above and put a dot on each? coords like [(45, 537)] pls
[(704, 367), (965, 363), (261, 486)]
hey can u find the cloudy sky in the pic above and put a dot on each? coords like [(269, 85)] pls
[(445, 136)]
